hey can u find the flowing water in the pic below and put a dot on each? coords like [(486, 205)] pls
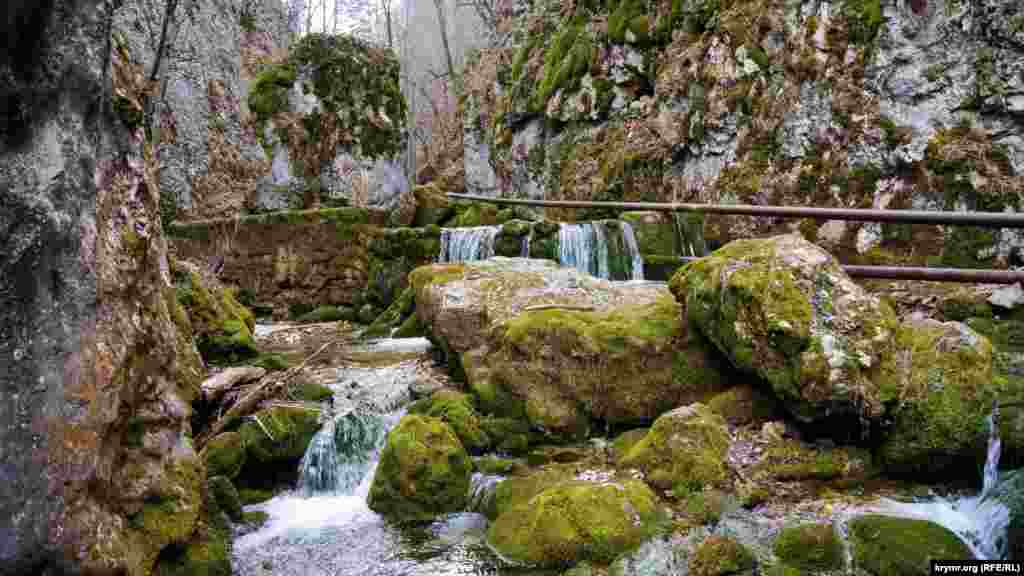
[(981, 520), (467, 244), (588, 247)]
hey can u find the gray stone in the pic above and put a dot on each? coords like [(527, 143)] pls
[(1008, 296)]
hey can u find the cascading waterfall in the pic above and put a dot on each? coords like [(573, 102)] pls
[(633, 249), (981, 521), (586, 247), (524, 250), (467, 244), (341, 453), (482, 489)]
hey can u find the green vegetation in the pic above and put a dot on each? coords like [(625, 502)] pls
[(887, 546), (810, 547), (719, 556)]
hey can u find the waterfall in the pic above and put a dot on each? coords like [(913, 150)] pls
[(524, 249), (482, 489), (467, 244), (586, 247), (341, 453), (634, 250), (981, 521)]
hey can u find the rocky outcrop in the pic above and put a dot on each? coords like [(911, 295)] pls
[(559, 348), (210, 159), (99, 473), (852, 104), (222, 327)]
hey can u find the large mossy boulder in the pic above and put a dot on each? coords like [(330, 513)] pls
[(432, 206), (890, 546), (423, 471), (719, 556), (783, 308), (222, 327), (685, 450), (945, 396), (810, 547), (560, 348), (275, 440), (576, 521)]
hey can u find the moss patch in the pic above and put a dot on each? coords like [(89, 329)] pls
[(810, 547), (720, 555), (224, 455), (457, 410), (888, 546)]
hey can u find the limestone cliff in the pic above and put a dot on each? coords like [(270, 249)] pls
[(855, 103), (98, 470)]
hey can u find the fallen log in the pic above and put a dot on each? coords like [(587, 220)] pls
[(214, 388), (269, 385)]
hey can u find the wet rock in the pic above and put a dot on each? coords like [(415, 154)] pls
[(1008, 297), (457, 410), (423, 471), (275, 439)]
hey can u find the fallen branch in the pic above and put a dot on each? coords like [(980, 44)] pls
[(264, 428), (558, 307), (248, 403)]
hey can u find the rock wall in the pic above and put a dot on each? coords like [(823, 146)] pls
[(210, 161), (98, 472), (853, 103)]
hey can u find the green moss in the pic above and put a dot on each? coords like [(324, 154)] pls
[(811, 547), (272, 362), (508, 435), (863, 19), (326, 314), (706, 507), (567, 60), (277, 440), (256, 518), (457, 410), (423, 471), (224, 455), (170, 516), (624, 442), (742, 405), (492, 464), (399, 310), (309, 391), (269, 94), (684, 451), (576, 521), (887, 546), (254, 495), (223, 491), (411, 327), (943, 401), (720, 555)]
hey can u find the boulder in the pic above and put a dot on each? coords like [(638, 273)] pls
[(223, 491), (721, 555), (890, 546), (275, 439), (224, 455), (423, 471), (783, 308), (810, 547), (577, 520), (216, 386), (560, 348), (455, 409), (685, 451)]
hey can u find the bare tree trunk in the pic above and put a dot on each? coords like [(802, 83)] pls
[(442, 20)]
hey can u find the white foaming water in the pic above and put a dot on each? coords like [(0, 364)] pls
[(467, 244), (979, 521), (481, 491)]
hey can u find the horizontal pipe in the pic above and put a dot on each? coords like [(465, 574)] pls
[(986, 219), (930, 274)]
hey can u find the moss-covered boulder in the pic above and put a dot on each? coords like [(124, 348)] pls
[(810, 547), (457, 410), (684, 451), (560, 348), (576, 521), (275, 440), (223, 491), (889, 546), (783, 308), (423, 471), (744, 404), (398, 312), (207, 552), (945, 393), (221, 325), (720, 555), (224, 454)]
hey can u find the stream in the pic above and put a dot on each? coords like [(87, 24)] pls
[(323, 526)]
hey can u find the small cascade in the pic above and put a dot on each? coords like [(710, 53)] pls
[(482, 488), (981, 521), (591, 247), (341, 453), (633, 249), (689, 235), (467, 244), (524, 249)]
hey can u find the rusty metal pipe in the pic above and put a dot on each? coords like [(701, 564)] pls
[(929, 274), (986, 219)]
